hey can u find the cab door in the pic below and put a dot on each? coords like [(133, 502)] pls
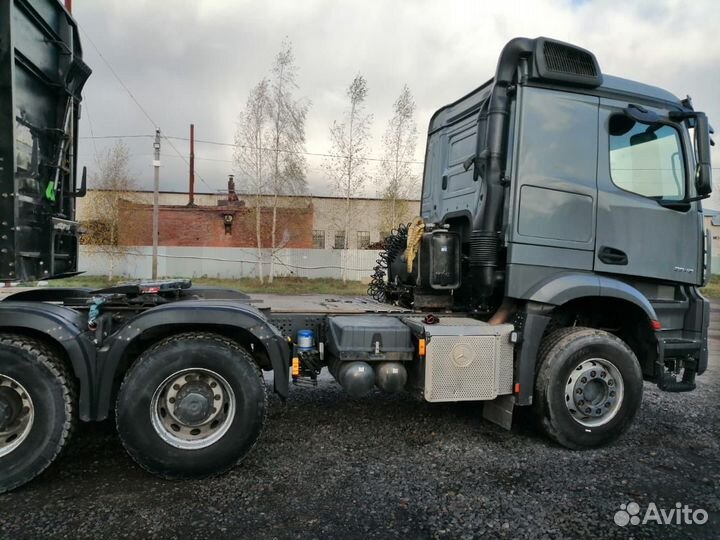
[(640, 167)]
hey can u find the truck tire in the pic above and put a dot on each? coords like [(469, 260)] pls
[(588, 388), (37, 409), (193, 405)]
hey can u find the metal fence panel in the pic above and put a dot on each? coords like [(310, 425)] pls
[(231, 263)]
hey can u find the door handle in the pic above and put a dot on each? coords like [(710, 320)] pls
[(610, 255), (444, 181)]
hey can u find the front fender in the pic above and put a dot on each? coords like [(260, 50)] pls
[(66, 328), (198, 314), (563, 288)]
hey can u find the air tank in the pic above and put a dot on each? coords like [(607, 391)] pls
[(357, 378), (390, 376)]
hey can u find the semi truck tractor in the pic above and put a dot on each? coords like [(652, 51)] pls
[(556, 266)]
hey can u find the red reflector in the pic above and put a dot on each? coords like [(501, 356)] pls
[(517, 387), (655, 325)]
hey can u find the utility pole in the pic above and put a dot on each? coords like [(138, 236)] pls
[(156, 205), (191, 188)]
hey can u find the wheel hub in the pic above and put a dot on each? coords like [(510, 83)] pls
[(594, 392), (10, 407), (193, 404), (192, 408), (16, 414)]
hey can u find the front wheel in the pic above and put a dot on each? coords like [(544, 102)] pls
[(191, 406), (588, 387)]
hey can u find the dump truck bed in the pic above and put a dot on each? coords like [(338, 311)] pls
[(41, 75)]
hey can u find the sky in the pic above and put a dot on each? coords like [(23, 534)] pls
[(194, 61)]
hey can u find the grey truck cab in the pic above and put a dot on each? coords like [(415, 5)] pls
[(571, 201), (556, 265)]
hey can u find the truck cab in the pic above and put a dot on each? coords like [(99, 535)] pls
[(571, 199)]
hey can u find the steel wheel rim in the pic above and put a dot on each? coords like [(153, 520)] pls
[(186, 411), (594, 392), (18, 414)]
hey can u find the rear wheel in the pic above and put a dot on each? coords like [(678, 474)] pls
[(37, 409), (191, 406), (588, 388)]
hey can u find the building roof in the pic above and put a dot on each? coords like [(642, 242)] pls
[(221, 193)]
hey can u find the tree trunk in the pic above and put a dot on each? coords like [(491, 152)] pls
[(345, 252), (258, 238), (272, 241), (113, 252)]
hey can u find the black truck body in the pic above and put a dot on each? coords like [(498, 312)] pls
[(41, 76)]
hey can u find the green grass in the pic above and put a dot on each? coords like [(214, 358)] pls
[(283, 285), (713, 288)]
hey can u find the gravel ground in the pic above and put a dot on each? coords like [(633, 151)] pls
[(329, 466)]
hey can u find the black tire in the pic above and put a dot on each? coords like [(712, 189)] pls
[(37, 373), (198, 351), (561, 353)]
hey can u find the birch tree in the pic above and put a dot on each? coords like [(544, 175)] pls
[(287, 140), (397, 177), (114, 190), (350, 139), (252, 158)]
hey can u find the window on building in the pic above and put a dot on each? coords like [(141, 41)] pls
[(647, 160), (339, 240), (363, 239), (319, 239)]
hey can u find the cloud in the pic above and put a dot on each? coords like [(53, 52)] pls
[(188, 61)]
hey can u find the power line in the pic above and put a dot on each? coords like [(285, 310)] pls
[(98, 137), (119, 80), (232, 145), (318, 154), (132, 96), (87, 110)]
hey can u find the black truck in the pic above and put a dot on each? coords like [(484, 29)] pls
[(555, 266)]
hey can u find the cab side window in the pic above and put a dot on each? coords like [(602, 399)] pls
[(646, 159)]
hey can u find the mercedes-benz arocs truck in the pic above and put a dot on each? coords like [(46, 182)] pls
[(556, 265)]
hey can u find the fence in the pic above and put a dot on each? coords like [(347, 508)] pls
[(232, 263), (235, 263)]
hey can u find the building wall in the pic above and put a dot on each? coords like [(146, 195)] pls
[(206, 226), (368, 217)]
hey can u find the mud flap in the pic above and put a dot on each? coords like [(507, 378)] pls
[(500, 410)]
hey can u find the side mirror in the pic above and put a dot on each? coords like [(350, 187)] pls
[(703, 171)]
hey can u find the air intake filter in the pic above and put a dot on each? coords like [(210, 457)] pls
[(558, 61)]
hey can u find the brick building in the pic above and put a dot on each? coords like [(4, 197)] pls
[(232, 225), (303, 221)]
